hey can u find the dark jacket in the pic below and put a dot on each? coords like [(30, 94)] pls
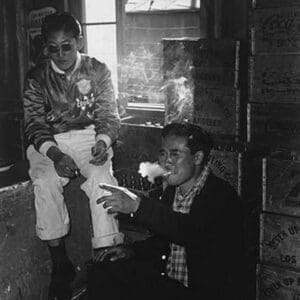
[(212, 233)]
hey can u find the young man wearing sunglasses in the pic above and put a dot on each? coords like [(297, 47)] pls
[(71, 121)]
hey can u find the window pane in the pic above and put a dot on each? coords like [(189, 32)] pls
[(101, 43), (100, 11), (161, 5)]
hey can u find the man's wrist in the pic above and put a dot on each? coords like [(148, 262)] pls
[(102, 142), (105, 138), (55, 154), (136, 207)]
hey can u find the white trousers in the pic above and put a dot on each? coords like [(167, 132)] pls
[(52, 218)]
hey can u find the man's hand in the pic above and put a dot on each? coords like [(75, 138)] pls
[(64, 164), (121, 199), (99, 153), (113, 254)]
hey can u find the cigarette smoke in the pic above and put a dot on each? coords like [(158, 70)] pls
[(180, 99), (151, 170)]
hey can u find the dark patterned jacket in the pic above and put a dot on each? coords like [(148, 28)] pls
[(55, 104)]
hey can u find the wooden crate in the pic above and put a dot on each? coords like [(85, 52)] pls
[(217, 63), (218, 111), (281, 182), (275, 283), (274, 78), (213, 62), (189, 63), (276, 30), (280, 240), (274, 3), (179, 55), (274, 125), (227, 165)]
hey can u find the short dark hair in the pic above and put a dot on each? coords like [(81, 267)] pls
[(197, 138), (61, 21)]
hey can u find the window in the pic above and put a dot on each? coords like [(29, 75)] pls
[(161, 5), (100, 33), (146, 24), (137, 72)]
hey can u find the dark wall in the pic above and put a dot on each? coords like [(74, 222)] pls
[(11, 73), (15, 60)]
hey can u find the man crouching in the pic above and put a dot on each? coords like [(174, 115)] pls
[(196, 250)]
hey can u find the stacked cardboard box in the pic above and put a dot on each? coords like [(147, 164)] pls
[(202, 80), (274, 77), (273, 116)]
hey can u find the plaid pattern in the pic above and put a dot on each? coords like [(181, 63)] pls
[(176, 266)]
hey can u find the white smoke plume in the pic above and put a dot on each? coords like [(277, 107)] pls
[(152, 171), (180, 102)]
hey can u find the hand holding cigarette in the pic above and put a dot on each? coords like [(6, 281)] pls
[(99, 151)]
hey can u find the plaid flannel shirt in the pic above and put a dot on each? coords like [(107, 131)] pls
[(176, 265)]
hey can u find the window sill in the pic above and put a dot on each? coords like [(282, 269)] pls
[(157, 11), (148, 114)]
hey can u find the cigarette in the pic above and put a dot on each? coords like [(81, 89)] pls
[(167, 174)]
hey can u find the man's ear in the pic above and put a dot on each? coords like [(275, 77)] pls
[(199, 155), (79, 43)]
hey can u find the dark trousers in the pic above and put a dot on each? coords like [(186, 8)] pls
[(132, 280)]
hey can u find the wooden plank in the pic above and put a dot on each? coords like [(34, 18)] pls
[(274, 125), (217, 111), (281, 186), (274, 79), (280, 240), (274, 3), (276, 30), (227, 165), (275, 283)]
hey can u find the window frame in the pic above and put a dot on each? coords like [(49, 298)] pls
[(140, 110), (156, 11), (86, 24)]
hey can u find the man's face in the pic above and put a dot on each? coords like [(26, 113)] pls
[(176, 157), (62, 48)]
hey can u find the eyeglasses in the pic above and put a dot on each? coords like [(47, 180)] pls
[(64, 47)]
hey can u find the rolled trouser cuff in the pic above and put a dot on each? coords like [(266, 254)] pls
[(108, 240), (53, 233)]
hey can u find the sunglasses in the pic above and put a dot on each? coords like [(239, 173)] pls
[(55, 49)]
